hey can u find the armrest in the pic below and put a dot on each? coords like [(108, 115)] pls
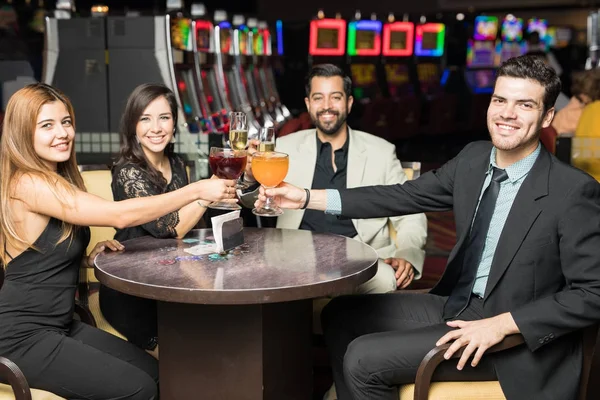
[(16, 379), (436, 356), (85, 314)]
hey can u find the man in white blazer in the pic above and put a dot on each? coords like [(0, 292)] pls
[(335, 154)]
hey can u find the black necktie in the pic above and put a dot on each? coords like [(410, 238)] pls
[(459, 298)]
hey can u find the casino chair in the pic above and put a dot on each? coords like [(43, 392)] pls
[(97, 180), (378, 118), (424, 389), (17, 387), (548, 137)]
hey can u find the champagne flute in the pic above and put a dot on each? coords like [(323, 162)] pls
[(227, 164), (238, 130), (269, 169), (238, 137), (266, 136)]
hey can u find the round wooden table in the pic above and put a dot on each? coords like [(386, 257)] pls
[(237, 326)]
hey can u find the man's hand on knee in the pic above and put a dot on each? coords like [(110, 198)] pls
[(477, 336), (405, 272)]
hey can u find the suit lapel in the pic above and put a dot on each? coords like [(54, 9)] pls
[(357, 160), (523, 213), (307, 150), (469, 197), (301, 174)]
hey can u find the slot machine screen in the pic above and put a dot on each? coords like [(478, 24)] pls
[(327, 38), (509, 50), (203, 39), (512, 29), (243, 37), (398, 79), (486, 28), (180, 33), (481, 54), (365, 39), (429, 41), (364, 80), (225, 38), (481, 80), (429, 77), (398, 40)]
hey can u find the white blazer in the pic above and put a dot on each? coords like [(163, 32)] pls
[(371, 161)]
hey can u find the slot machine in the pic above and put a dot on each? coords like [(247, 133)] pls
[(327, 41), (204, 69), (260, 37), (438, 112), (231, 87), (363, 52), (271, 62), (396, 115), (482, 56), (250, 45), (511, 43), (185, 79), (480, 70)]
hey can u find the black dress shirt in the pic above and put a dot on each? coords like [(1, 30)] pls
[(326, 178)]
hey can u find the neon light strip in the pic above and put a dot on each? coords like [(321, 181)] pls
[(364, 25), (279, 28), (407, 27), (329, 23), (266, 38), (440, 30)]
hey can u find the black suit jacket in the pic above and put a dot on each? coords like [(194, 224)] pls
[(546, 269)]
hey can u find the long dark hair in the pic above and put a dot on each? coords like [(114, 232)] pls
[(131, 150)]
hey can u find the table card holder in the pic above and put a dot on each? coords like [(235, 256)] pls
[(228, 231)]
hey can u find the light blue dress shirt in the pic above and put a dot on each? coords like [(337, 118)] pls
[(517, 173)]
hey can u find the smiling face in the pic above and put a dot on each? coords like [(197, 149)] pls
[(516, 116), (54, 134), (155, 127), (328, 105)]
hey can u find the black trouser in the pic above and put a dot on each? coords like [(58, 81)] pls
[(376, 342), (87, 364), (133, 317)]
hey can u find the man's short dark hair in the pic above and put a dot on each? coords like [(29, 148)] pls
[(533, 68), (328, 71)]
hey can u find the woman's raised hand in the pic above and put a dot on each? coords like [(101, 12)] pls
[(216, 190)]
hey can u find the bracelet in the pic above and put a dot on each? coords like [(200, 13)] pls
[(202, 205), (307, 199)]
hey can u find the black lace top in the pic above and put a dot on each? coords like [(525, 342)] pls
[(130, 181)]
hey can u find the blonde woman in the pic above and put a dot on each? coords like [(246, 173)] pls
[(44, 216)]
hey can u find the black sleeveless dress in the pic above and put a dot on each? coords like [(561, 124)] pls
[(38, 294), (55, 352)]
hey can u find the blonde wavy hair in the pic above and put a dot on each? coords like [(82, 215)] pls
[(18, 158)]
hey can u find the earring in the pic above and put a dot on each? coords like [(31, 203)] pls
[(137, 139)]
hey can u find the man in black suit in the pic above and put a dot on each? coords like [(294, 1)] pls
[(527, 260)]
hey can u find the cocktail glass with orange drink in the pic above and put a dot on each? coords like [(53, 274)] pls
[(269, 169)]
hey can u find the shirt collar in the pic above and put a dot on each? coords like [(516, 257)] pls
[(344, 148), (519, 169)]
